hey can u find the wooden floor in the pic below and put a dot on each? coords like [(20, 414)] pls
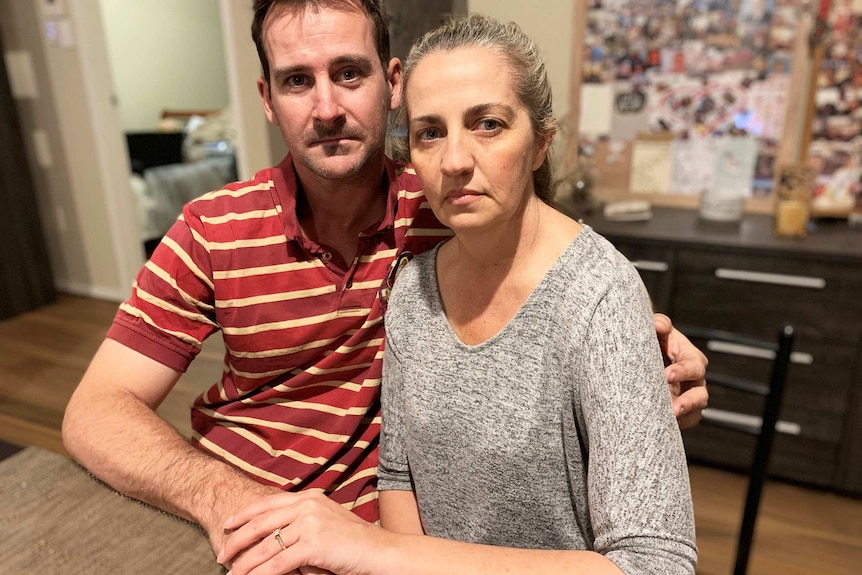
[(44, 353)]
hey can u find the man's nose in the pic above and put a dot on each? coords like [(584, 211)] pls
[(327, 108)]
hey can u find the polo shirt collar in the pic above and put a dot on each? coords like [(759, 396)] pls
[(286, 183)]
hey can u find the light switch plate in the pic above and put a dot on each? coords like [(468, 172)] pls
[(42, 148), (22, 77)]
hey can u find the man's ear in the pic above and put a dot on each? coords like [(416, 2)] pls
[(265, 96), (396, 85)]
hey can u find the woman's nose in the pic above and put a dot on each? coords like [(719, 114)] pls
[(457, 156)]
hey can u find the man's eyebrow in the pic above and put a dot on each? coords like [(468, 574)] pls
[(287, 71), (358, 60)]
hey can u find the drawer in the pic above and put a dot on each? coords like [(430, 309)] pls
[(817, 391), (758, 293), (794, 457), (656, 267)]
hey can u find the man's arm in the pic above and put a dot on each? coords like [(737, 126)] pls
[(685, 372), (112, 428)]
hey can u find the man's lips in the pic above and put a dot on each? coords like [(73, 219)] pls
[(332, 140)]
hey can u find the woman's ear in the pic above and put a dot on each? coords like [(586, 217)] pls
[(542, 149)]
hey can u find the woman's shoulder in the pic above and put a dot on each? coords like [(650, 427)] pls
[(415, 282), (591, 253), (592, 270)]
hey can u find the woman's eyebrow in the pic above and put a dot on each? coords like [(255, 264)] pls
[(504, 110)]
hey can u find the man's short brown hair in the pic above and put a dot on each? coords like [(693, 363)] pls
[(371, 8)]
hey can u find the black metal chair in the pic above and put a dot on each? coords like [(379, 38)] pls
[(764, 429)]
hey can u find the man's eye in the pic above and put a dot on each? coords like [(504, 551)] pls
[(489, 125), (296, 80), (350, 75)]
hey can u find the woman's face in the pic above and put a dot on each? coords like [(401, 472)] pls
[(471, 140)]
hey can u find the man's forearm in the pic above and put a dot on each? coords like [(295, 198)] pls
[(127, 445)]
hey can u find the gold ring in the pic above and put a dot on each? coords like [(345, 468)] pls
[(277, 535)]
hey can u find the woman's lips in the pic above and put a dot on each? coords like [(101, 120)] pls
[(462, 197)]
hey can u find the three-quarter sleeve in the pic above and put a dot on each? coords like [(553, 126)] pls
[(393, 472), (638, 485)]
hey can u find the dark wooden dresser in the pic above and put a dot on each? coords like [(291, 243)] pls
[(740, 277)]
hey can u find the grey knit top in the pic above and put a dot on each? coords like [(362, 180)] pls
[(555, 433)]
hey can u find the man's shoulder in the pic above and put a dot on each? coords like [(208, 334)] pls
[(418, 229), (403, 180), (252, 194)]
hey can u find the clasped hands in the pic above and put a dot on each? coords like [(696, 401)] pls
[(317, 536)]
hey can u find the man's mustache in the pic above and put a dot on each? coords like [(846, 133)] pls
[(332, 133)]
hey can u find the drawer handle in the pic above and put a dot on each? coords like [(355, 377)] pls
[(712, 414), (766, 278), (650, 266), (799, 357)]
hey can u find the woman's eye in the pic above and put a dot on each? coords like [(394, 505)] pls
[(489, 125), (429, 134)]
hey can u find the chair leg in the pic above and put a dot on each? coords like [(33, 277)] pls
[(763, 450), (749, 519)]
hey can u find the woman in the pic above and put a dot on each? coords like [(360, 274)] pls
[(526, 424)]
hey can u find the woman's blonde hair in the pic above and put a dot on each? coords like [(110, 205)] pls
[(529, 77)]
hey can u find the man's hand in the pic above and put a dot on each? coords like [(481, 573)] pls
[(685, 370), (244, 493)]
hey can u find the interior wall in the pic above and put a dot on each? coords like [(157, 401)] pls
[(551, 27), (164, 54), (259, 144), (26, 281), (62, 137)]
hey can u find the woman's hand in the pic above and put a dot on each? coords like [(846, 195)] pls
[(685, 372), (315, 535)]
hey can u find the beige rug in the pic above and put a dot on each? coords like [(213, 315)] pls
[(56, 519)]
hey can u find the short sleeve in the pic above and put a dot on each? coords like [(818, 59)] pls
[(171, 309)]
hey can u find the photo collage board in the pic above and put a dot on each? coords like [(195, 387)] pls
[(835, 151), (682, 96)]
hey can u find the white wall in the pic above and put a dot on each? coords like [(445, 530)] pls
[(164, 54)]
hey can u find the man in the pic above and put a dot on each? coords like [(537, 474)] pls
[(292, 267)]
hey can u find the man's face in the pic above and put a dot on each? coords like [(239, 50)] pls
[(328, 91)]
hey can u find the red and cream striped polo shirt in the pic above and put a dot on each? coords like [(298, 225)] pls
[(298, 402)]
